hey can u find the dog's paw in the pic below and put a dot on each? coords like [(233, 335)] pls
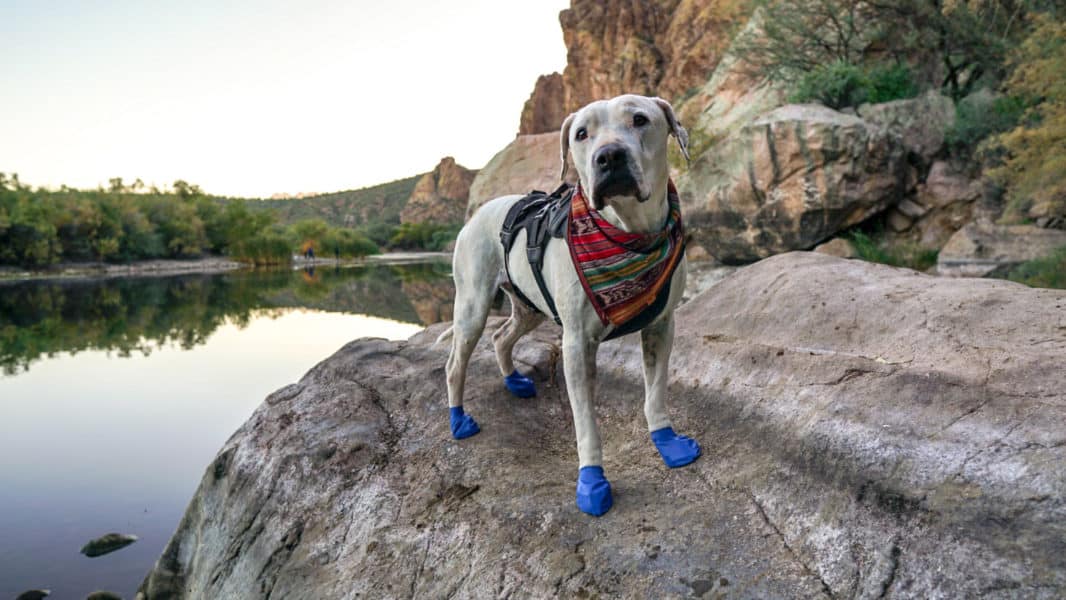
[(593, 491), (676, 450), (463, 425), (520, 385)]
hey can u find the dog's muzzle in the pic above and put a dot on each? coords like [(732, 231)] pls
[(613, 175)]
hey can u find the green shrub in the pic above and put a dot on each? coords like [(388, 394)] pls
[(1047, 272), (911, 256), (890, 82), (424, 236), (265, 248), (979, 116), (837, 85)]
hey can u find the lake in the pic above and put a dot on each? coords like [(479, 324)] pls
[(116, 394)]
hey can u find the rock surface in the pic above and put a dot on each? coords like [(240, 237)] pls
[(545, 110), (983, 248), (652, 47), (789, 180), (867, 432), (922, 122), (530, 162), (440, 196)]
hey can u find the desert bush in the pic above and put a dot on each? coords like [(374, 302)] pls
[(1047, 272)]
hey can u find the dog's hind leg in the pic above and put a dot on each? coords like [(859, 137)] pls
[(523, 320), (656, 341)]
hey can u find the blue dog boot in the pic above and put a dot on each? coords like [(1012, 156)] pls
[(593, 491), (676, 450), (463, 425), (520, 385)]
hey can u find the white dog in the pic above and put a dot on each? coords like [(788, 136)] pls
[(619, 149)]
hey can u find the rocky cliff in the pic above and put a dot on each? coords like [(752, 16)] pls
[(650, 47), (868, 432), (440, 196)]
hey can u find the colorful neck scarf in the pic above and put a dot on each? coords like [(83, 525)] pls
[(622, 272)]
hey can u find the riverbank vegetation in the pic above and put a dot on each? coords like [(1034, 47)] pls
[(1000, 61), (124, 223)]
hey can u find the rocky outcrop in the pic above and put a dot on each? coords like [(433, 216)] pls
[(790, 179), (982, 248), (867, 432), (440, 196), (921, 122), (530, 162), (651, 47), (545, 110)]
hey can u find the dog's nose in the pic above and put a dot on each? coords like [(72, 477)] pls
[(610, 157)]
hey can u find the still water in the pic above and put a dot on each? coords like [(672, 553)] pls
[(116, 394)]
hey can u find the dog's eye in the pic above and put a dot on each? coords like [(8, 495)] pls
[(581, 134), (639, 120)]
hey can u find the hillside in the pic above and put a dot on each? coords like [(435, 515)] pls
[(367, 206)]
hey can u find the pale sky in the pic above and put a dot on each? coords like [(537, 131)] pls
[(253, 98)]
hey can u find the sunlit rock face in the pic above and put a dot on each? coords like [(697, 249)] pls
[(789, 180), (440, 196), (867, 431), (651, 47), (530, 162)]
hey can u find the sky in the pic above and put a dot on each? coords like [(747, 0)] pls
[(254, 98)]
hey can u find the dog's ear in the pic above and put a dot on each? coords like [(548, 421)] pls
[(564, 144), (676, 129)]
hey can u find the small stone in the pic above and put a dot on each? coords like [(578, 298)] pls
[(911, 208), (898, 221), (107, 544), (695, 253), (838, 247), (33, 594), (102, 595)]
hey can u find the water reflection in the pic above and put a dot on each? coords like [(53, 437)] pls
[(137, 315), (119, 392)]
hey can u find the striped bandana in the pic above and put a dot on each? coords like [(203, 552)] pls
[(622, 272)]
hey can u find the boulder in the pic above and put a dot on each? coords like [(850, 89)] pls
[(788, 180), (944, 186), (440, 196), (867, 432), (983, 248), (530, 162), (839, 247), (921, 122)]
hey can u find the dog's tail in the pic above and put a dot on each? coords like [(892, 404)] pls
[(445, 335)]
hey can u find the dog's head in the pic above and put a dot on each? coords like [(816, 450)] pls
[(619, 147)]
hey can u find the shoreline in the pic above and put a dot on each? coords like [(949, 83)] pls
[(204, 266)]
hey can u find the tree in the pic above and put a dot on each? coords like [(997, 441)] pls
[(1034, 168), (969, 39)]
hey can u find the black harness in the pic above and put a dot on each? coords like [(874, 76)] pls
[(545, 216)]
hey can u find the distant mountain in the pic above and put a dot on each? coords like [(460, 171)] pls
[(367, 206)]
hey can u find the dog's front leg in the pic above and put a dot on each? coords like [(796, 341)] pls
[(579, 364), (656, 341)]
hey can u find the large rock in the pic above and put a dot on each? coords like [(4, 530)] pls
[(662, 48), (530, 162), (440, 196), (867, 432), (922, 122), (983, 248), (545, 110), (789, 180)]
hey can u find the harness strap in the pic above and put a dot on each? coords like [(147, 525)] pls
[(542, 216)]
